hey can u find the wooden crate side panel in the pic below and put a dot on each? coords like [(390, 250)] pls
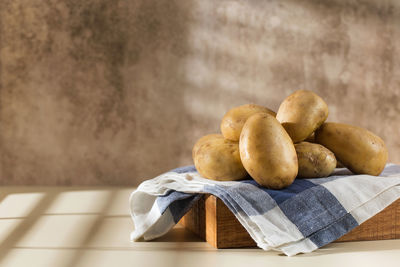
[(382, 226), (211, 220), (222, 230), (194, 220), (230, 233)]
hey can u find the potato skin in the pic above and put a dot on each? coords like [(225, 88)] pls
[(267, 152), (361, 151), (315, 161), (339, 165), (217, 158), (301, 113), (311, 138), (233, 121)]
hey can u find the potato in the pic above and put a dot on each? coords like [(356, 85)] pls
[(311, 138), (218, 159), (301, 113), (233, 121), (361, 151), (267, 152), (315, 161), (339, 165)]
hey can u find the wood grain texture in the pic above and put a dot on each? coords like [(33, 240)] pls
[(229, 232), (194, 220), (211, 219), (383, 226), (220, 228)]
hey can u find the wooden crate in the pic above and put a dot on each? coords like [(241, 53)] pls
[(214, 222)]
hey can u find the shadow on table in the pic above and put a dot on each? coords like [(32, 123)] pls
[(178, 234)]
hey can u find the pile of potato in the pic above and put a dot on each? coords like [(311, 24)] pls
[(275, 148)]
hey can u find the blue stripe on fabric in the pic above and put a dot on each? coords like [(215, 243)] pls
[(319, 181), (390, 170), (181, 207), (339, 173), (298, 186), (244, 197), (313, 209), (334, 231), (171, 196), (185, 169), (179, 203)]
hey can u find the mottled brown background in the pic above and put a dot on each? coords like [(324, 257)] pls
[(115, 92)]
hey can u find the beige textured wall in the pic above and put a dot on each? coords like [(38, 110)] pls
[(115, 92)]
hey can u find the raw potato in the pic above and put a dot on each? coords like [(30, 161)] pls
[(202, 140), (301, 113), (339, 165), (311, 138), (315, 161), (267, 152), (358, 149), (233, 121), (218, 159)]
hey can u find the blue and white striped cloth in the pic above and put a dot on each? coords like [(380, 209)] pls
[(301, 218)]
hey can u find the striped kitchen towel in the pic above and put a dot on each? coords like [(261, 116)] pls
[(305, 216)]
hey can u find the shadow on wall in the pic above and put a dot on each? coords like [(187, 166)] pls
[(101, 92)]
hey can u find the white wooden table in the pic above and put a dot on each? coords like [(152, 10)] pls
[(90, 226)]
